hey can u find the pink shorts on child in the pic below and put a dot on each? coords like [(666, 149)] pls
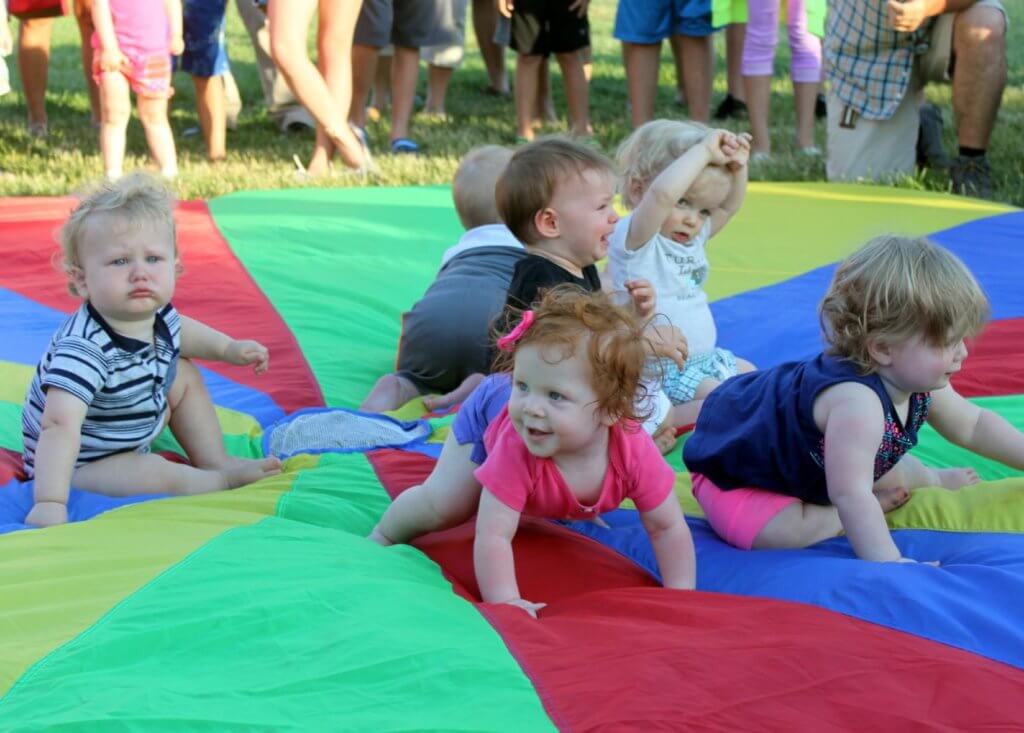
[(149, 75), (738, 515)]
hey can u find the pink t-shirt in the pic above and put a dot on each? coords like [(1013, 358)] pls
[(141, 26), (535, 487)]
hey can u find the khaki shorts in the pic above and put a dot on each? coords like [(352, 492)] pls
[(878, 149)]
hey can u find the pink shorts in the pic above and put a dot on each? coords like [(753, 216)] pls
[(149, 75), (738, 515)]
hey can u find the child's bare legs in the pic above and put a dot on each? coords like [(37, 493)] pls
[(34, 65), (545, 111), (83, 16), (805, 95), (910, 474), (153, 115), (758, 100), (449, 496), (799, 525), (641, 62), (696, 53), (438, 79), (577, 92), (194, 424), (527, 70), (289, 25), (211, 104), (389, 393), (115, 110)]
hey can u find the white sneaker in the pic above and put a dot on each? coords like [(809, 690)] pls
[(295, 119)]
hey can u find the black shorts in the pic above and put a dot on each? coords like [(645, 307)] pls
[(543, 27)]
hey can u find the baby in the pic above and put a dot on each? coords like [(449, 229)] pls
[(113, 377), (445, 346)]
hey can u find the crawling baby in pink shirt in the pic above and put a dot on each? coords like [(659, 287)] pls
[(567, 445)]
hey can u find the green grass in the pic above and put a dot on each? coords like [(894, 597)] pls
[(260, 156)]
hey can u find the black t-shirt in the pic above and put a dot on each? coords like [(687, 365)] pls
[(535, 274)]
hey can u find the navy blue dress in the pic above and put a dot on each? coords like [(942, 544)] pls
[(757, 430)]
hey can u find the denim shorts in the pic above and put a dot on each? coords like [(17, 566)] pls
[(652, 21), (203, 30)]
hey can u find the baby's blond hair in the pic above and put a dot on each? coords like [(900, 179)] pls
[(474, 183), (136, 200), (894, 288), (651, 149)]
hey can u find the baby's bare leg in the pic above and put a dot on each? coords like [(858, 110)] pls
[(127, 474), (910, 473), (799, 525), (389, 393), (194, 424), (449, 496)]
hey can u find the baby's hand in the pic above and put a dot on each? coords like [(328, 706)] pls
[(111, 59), (528, 606), (242, 353), (641, 292), (719, 145), (668, 342), (47, 514), (177, 46), (740, 153)]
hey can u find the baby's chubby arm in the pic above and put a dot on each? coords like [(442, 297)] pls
[(60, 439), (199, 341), (667, 188), (737, 150), (978, 430), (672, 543), (853, 423), (496, 525)]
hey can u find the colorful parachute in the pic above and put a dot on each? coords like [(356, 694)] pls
[(264, 608)]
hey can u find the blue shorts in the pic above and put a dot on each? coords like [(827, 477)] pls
[(652, 21), (681, 384), (479, 410), (203, 30)]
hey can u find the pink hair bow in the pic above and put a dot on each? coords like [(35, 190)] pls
[(508, 341)]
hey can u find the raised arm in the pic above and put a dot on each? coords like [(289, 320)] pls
[(496, 525), (978, 430), (853, 432), (60, 439), (739, 156), (672, 543), (665, 191), (199, 341)]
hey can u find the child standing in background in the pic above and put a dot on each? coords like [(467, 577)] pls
[(789, 456), (133, 45), (805, 68)]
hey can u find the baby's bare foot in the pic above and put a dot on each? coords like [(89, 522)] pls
[(892, 498), (956, 478), (241, 471)]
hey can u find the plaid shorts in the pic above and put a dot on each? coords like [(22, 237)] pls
[(681, 384)]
